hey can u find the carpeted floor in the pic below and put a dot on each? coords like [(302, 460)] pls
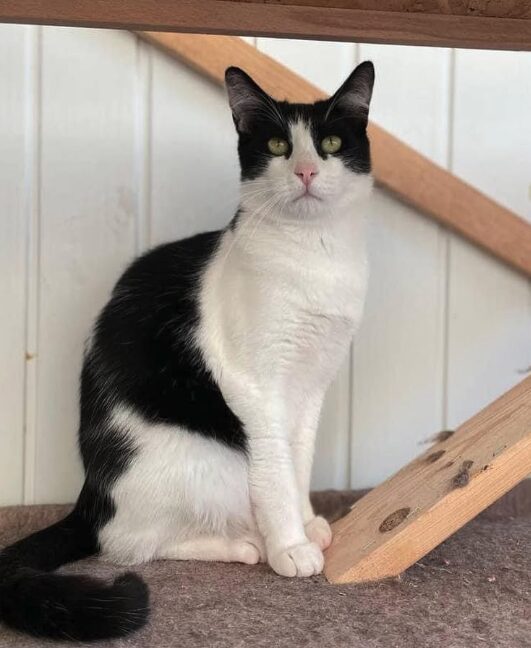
[(473, 590)]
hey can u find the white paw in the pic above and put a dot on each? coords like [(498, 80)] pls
[(318, 530), (250, 551), (301, 560)]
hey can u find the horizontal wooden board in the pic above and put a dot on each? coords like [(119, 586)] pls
[(465, 25), (503, 9), (401, 169)]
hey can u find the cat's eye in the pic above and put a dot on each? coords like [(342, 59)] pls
[(331, 144), (278, 146)]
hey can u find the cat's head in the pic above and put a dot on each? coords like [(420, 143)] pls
[(302, 160)]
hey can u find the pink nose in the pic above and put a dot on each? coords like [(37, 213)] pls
[(306, 172)]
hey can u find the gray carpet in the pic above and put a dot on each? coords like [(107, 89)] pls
[(473, 590)]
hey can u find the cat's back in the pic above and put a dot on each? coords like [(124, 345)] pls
[(143, 354), (141, 344), (159, 287), (165, 270)]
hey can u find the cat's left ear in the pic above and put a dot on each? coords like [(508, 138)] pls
[(354, 96), (247, 99)]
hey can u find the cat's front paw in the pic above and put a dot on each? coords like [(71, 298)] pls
[(300, 560), (318, 530)]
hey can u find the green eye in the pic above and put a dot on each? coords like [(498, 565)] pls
[(278, 146), (331, 144)]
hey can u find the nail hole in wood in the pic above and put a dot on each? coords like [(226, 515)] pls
[(432, 458), (463, 476)]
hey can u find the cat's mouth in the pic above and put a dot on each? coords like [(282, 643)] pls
[(307, 195)]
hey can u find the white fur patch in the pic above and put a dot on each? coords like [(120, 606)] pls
[(179, 485), (279, 306)]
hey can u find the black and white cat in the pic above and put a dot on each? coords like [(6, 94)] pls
[(205, 374)]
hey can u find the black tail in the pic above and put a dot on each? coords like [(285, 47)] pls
[(77, 608)]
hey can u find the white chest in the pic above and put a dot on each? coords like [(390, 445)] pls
[(283, 307)]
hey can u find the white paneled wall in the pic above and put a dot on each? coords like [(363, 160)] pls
[(399, 378), (489, 326), (15, 209), (117, 148)]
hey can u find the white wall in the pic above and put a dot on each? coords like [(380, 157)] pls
[(115, 148)]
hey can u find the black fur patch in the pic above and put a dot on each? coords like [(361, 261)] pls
[(144, 355), (76, 608)]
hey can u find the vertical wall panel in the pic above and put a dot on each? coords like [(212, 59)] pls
[(492, 125), (32, 154), (489, 331), (87, 224), (143, 115), (398, 368), (13, 221), (489, 305), (398, 353), (194, 183), (411, 95), (325, 64)]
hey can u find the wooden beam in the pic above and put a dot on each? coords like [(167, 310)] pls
[(400, 521), (504, 24), (513, 9), (411, 176)]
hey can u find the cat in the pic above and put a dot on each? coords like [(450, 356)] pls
[(205, 374)]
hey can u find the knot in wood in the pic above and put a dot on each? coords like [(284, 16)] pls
[(393, 520)]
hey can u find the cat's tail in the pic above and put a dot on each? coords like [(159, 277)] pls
[(60, 606)]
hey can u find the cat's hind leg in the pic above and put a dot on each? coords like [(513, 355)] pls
[(249, 550)]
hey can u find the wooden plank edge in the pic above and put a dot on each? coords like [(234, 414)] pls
[(520, 9), (389, 554), (401, 544), (396, 166), (279, 20)]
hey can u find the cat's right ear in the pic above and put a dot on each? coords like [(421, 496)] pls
[(246, 98)]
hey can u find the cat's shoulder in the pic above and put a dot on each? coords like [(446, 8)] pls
[(169, 261)]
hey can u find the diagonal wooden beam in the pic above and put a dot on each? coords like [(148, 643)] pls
[(411, 176), (503, 24), (401, 520)]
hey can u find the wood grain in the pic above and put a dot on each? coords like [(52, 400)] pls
[(432, 497), (504, 9), (398, 167), (460, 24)]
